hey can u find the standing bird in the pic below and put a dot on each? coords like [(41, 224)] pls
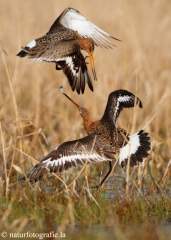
[(70, 33), (103, 141)]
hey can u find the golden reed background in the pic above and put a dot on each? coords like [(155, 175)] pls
[(141, 63)]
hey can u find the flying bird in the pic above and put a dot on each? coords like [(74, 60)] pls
[(103, 142), (70, 33)]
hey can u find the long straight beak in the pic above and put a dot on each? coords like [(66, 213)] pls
[(76, 105), (92, 64)]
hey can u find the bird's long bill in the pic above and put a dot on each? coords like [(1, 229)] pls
[(76, 105), (92, 64)]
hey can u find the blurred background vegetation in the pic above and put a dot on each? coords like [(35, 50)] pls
[(35, 117)]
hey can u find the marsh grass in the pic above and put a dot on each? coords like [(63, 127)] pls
[(35, 118)]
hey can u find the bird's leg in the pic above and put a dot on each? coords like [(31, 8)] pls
[(74, 188), (100, 184)]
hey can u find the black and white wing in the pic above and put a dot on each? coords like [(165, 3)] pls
[(137, 148), (67, 155), (71, 18), (46, 50), (75, 68), (67, 56), (118, 100)]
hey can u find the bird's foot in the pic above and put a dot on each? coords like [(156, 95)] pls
[(97, 187)]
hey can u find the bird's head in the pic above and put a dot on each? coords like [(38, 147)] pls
[(83, 112), (87, 45)]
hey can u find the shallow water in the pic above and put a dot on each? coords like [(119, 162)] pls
[(140, 231)]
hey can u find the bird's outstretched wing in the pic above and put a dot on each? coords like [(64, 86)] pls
[(75, 68), (67, 56), (51, 51), (136, 148), (71, 18), (118, 100), (67, 155)]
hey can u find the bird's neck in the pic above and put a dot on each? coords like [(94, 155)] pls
[(108, 114), (87, 123), (110, 110)]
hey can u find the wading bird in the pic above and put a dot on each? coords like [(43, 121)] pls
[(103, 141), (70, 33)]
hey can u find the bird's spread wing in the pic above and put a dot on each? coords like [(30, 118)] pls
[(118, 100), (71, 18), (67, 155), (75, 68), (51, 51), (137, 148), (68, 57)]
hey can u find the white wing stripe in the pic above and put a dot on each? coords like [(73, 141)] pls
[(70, 64), (73, 158), (68, 60), (45, 161), (31, 44), (130, 148)]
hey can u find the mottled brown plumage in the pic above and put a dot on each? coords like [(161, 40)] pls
[(103, 141), (111, 136), (62, 44)]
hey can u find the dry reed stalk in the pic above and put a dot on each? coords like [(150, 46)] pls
[(14, 102), (10, 85), (154, 185), (18, 36), (151, 119), (5, 164), (27, 155), (69, 214), (139, 176), (128, 162), (89, 193), (139, 190), (13, 157), (37, 88), (164, 178), (73, 182), (8, 210), (19, 224)]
